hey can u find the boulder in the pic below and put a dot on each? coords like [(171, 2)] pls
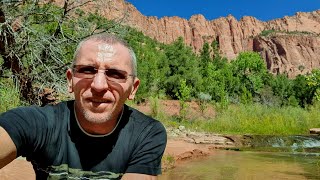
[(315, 131)]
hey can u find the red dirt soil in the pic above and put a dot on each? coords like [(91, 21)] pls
[(172, 108)]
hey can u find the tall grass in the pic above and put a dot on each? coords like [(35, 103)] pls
[(9, 95), (258, 119)]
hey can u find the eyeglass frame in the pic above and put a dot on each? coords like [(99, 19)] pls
[(77, 67)]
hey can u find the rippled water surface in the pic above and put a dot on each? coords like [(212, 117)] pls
[(249, 166)]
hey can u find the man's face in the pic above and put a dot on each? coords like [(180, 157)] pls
[(97, 99)]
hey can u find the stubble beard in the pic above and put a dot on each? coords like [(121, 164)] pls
[(96, 118)]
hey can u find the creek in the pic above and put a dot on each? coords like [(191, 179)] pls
[(266, 157)]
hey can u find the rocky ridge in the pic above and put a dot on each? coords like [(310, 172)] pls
[(292, 53)]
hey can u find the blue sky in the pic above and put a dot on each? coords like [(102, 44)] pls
[(263, 10)]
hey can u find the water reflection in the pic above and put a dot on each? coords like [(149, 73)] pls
[(225, 165)]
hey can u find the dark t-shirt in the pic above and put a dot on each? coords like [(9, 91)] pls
[(52, 140)]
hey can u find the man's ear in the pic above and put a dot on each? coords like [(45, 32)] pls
[(136, 84), (69, 80)]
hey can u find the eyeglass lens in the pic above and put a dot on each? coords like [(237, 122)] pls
[(83, 71)]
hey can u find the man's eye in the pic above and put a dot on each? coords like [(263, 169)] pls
[(87, 70), (116, 74)]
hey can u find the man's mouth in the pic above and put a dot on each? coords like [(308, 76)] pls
[(99, 105), (100, 100)]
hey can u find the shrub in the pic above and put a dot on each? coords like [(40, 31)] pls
[(9, 94)]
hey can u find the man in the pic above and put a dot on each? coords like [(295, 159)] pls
[(96, 136)]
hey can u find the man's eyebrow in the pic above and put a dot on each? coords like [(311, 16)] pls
[(86, 64), (114, 68)]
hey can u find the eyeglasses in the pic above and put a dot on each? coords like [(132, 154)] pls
[(89, 72)]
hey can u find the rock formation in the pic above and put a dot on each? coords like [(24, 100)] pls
[(290, 54), (293, 53)]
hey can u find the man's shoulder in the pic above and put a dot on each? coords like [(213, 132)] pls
[(57, 108), (38, 112)]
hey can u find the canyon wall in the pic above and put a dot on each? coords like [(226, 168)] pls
[(294, 51)]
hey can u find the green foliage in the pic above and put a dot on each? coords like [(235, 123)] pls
[(270, 32), (184, 91), (267, 32), (47, 36), (183, 94), (155, 106), (302, 91), (313, 81), (205, 53), (152, 65), (300, 33), (217, 76), (43, 45), (205, 58), (292, 101), (9, 94), (183, 64), (253, 119), (219, 83), (168, 161), (283, 88), (245, 96), (216, 51), (203, 100), (268, 98), (259, 119), (251, 71)]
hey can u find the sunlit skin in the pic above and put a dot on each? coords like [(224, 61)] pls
[(99, 102), (105, 52)]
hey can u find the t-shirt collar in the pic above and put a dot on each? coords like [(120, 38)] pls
[(96, 135)]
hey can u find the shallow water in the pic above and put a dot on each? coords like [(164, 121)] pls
[(245, 165)]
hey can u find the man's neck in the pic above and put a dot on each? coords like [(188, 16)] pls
[(97, 129)]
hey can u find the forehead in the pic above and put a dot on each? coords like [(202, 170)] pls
[(103, 53)]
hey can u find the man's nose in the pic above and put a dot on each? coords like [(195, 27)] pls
[(99, 82)]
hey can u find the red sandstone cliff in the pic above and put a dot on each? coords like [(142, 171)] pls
[(284, 53)]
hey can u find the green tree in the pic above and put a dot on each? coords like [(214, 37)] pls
[(313, 81), (183, 94), (152, 65), (220, 83), (218, 60), (205, 58), (183, 64), (215, 73), (250, 68), (283, 88), (302, 91), (38, 38)]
